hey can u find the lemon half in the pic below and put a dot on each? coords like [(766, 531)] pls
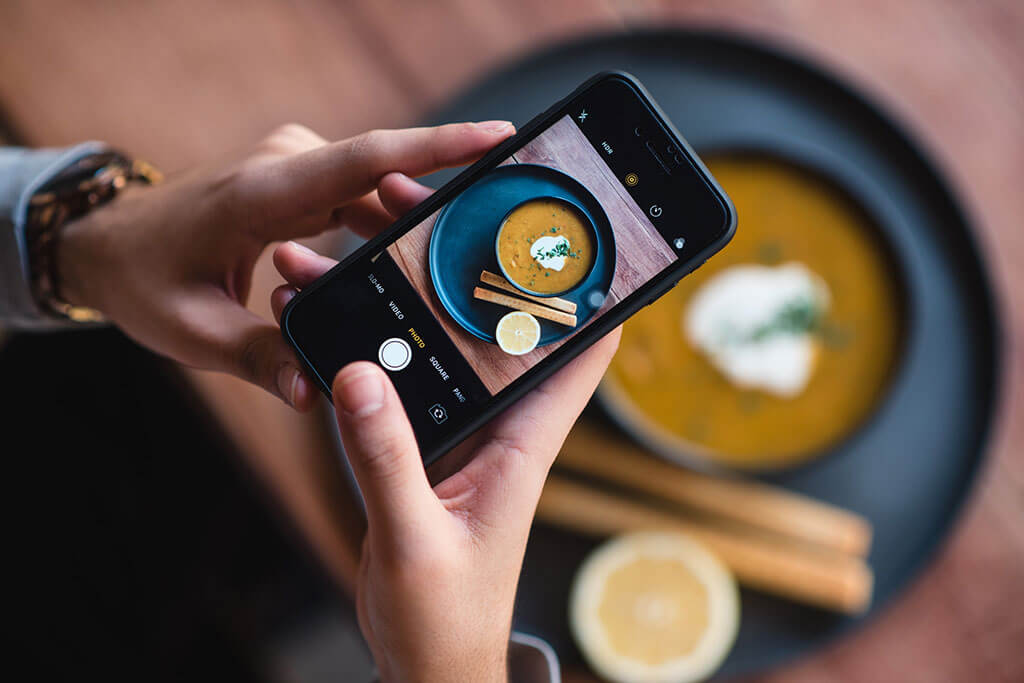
[(517, 333), (654, 608)]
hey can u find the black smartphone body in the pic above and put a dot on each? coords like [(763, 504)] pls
[(593, 210)]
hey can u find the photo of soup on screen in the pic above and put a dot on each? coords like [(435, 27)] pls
[(530, 254)]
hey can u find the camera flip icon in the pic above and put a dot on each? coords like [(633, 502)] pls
[(438, 412)]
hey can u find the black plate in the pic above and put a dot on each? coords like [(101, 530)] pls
[(910, 468)]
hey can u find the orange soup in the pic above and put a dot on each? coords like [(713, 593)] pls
[(545, 246), (841, 331)]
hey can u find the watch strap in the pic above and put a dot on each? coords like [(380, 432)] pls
[(91, 181)]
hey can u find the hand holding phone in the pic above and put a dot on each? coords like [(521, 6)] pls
[(440, 566), (593, 210)]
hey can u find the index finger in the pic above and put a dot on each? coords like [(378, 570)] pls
[(329, 176)]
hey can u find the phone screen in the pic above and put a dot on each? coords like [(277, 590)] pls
[(597, 207)]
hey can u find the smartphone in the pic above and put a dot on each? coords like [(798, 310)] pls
[(594, 209)]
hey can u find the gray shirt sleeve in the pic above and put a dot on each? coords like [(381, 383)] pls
[(22, 173)]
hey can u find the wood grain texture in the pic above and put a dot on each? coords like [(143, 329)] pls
[(186, 82), (189, 82), (640, 251)]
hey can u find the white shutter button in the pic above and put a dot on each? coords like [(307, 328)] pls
[(394, 354)]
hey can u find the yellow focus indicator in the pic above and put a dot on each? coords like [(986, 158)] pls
[(632, 179)]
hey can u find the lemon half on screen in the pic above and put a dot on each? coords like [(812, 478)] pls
[(517, 333), (654, 608)]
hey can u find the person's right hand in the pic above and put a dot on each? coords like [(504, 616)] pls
[(440, 565), (171, 265)]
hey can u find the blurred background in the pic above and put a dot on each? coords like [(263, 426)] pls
[(172, 524)]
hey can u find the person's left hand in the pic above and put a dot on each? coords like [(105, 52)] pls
[(440, 565), (171, 265)]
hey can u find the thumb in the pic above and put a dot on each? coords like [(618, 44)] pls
[(380, 445)]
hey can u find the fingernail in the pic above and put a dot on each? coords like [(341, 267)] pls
[(301, 247), (288, 382), (495, 126), (361, 394)]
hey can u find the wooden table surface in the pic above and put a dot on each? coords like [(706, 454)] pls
[(187, 82)]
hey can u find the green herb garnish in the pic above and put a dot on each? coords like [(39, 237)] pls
[(561, 249), (797, 316)]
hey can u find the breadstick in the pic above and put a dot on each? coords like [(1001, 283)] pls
[(489, 278), (523, 305), (763, 506), (830, 580)]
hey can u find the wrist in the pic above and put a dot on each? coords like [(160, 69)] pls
[(479, 663), (479, 674), (85, 252), (77, 262)]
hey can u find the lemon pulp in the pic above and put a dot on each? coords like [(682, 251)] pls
[(654, 607), (517, 333), (654, 610)]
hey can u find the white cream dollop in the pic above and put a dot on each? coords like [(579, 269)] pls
[(756, 325), (548, 251)]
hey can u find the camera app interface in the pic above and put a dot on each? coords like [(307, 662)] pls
[(467, 301)]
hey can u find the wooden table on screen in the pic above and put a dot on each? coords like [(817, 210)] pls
[(183, 83)]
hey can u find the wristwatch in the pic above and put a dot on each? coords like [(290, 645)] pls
[(90, 182)]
